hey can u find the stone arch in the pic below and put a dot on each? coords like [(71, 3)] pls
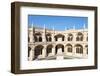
[(70, 37), (59, 37), (48, 37), (38, 50), (79, 36), (59, 48), (38, 37), (79, 48), (69, 48), (49, 49)]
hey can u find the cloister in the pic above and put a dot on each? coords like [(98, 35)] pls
[(45, 44)]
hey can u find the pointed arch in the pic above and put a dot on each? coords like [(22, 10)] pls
[(59, 36), (49, 49), (59, 46), (38, 51)]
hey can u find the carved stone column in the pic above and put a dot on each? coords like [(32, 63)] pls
[(84, 51), (85, 37), (73, 50), (44, 52), (65, 37), (74, 37), (43, 38), (53, 37), (31, 37), (53, 50), (65, 50), (44, 35)]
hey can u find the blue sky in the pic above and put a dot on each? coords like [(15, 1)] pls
[(58, 22)]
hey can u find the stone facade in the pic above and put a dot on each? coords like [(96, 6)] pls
[(47, 44)]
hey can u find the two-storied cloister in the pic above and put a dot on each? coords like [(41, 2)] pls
[(45, 44)]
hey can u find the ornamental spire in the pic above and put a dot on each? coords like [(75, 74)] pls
[(32, 25), (53, 28), (74, 27), (84, 26), (44, 26)]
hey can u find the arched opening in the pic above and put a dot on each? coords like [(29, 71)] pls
[(38, 37), (79, 49), (29, 49), (59, 37), (70, 37), (79, 37), (38, 51), (69, 48), (48, 37), (49, 49), (59, 49)]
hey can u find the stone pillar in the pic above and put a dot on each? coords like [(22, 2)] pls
[(85, 37), (37, 38), (31, 54), (44, 52), (65, 37), (73, 50), (65, 50), (31, 37), (74, 37), (84, 51), (53, 39), (44, 37), (53, 50)]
